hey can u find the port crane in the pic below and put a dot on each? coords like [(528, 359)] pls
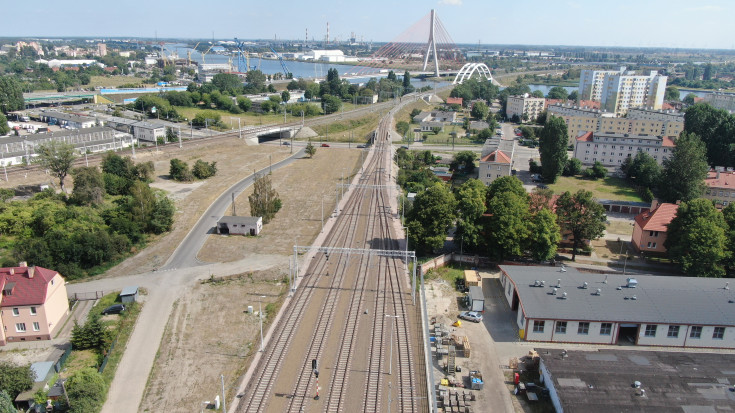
[(286, 72), (243, 58)]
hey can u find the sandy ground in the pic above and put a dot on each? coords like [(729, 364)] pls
[(301, 187), (200, 344)]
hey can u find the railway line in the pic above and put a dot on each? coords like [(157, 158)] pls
[(351, 313)]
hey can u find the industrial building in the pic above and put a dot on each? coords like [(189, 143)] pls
[(67, 120), (564, 305), (147, 131), (618, 380)]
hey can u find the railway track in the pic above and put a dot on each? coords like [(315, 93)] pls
[(334, 292)]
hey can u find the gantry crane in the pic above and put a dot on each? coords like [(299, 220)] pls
[(286, 72), (242, 60)]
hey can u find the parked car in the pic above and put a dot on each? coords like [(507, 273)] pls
[(471, 316), (325, 145), (536, 178), (114, 309), (542, 186), (361, 146), (287, 143)]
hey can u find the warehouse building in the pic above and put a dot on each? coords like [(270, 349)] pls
[(565, 305)]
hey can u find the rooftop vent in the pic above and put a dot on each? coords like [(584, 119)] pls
[(637, 384), (619, 288), (584, 285), (558, 283), (598, 292), (553, 292), (543, 283), (633, 298), (727, 285), (605, 281), (632, 283), (563, 296)]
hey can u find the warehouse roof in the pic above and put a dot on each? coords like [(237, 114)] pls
[(603, 380), (655, 299)]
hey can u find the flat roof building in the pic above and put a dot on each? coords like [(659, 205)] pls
[(613, 381), (526, 107), (68, 119), (568, 306), (621, 90), (611, 149)]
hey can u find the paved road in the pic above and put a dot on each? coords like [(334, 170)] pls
[(185, 254)]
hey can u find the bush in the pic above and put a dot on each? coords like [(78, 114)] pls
[(204, 170), (573, 167), (179, 171), (534, 167), (93, 335), (86, 390)]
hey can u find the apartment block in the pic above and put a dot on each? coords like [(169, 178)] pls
[(619, 91), (720, 186), (721, 100), (611, 149), (524, 105)]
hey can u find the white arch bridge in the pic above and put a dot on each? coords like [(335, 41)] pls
[(469, 69)]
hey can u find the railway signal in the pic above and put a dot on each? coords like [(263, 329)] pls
[(315, 369)]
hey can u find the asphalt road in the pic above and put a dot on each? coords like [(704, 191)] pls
[(185, 255)]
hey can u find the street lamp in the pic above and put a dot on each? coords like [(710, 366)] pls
[(260, 316), (390, 362)]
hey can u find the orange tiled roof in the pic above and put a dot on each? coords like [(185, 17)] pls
[(454, 101), (658, 219), (586, 137), (726, 179), (497, 156), (667, 141)]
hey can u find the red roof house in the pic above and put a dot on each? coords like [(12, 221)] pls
[(649, 232), (454, 101), (33, 303)]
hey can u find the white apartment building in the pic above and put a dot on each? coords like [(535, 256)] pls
[(494, 165), (618, 91), (638, 121), (611, 149), (721, 100), (525, 105), (569, 306)]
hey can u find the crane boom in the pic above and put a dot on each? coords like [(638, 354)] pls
[(240, 60), (286, 72)]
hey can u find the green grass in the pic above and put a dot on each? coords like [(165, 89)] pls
[(340, 131), (113, 81), (444, 138), (608, 188), (449, 274), (247, 118)]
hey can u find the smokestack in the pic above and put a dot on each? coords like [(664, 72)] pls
[(327, 32), (307, 36)]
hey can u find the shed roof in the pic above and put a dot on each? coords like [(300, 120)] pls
[(239, 220), (131, 290), (658, 298)]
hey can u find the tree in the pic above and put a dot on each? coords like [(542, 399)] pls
[(171, 134), (553, 148), (264, 201), (310, 150), (557, 92), (285, 96), (689, 98), (643, 171), (507, 225), (162, 216), (227, 82), (543, 235), (433, 213), (6, 194), (537, 94), (331, 104), (89, 186), (573, 167), (407, 86), (471, 201), (86, 390), (466, 160), (11, 94), (402, 127), (505, 184), (58, 157), (716, 128), (6, 404), (573, 96), (244, 103), (696, 239), (203, 170), (93, 335), (683, 174), (582, 216), (179, 171), (15, 379), (392, 76), (479, 110), (672, 93), (4, 128), (255, 80)]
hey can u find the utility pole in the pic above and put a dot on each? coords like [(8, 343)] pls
[(224, 403), (260, 316)]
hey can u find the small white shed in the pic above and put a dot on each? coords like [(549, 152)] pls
[(240, 225)]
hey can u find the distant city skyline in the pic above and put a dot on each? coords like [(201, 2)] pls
[(626, 23)]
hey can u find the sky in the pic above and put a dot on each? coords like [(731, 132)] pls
[(636, 23)]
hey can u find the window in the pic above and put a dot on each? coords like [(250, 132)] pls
[(538, 326), (36, 327), (651, 330), (16, 312), (653, 245), (561, 327), (719, 333), (583, 328), (20, 327), (605, 329), (33, 310), (673, 332)]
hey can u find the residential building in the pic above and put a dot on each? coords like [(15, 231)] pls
[(18, 150), (148, 131), (67, 119), (454, 101), (618, 91), (566, 305), (526, 107), (435, 119), (494, 165), (720, 186), (580, 120), (237, 225), (650, 228), (721, 100), (33, 305), (611, 149), (613, 380)]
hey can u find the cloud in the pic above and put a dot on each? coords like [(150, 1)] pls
[(451, 2)]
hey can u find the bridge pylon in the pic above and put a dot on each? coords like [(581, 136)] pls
[(431, 46)]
